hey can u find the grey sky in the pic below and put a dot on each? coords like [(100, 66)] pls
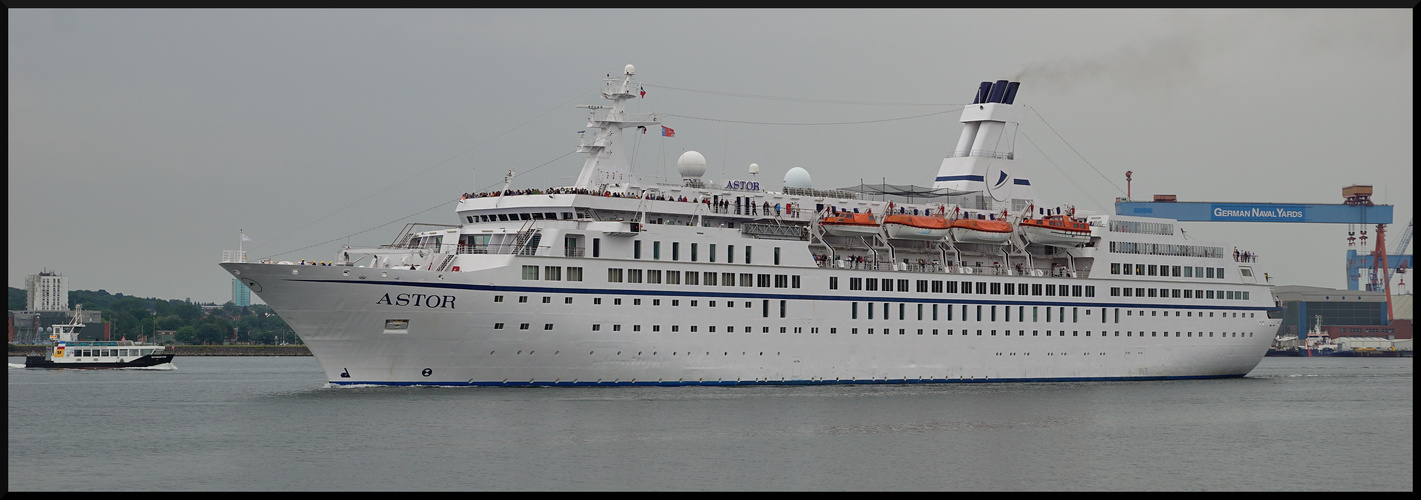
[(141, 141)]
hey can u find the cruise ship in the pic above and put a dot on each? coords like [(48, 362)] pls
[(625, 279)]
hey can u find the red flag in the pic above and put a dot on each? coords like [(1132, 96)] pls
[(643, 92), (667, 131)]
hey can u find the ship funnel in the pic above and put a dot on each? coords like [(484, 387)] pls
[(982, 92), (998, 90), (1011, 92)]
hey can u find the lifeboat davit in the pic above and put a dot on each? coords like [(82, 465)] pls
[(991, 232), (916, 227), (850, 224), (1056, 231)]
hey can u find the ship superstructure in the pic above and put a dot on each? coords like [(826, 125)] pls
[(620, 279)]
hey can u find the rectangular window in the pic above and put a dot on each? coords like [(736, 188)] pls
[(966, 287), (730, 254), (709, 278), (747, 279), (997, 288), (766, 308), (982, 288), (887, 285), (552, 273), (747, 254), (781, 281), (870, 284), (777, 256), (693, 278), (634, 276), (596, 247), (794, 281), (833, 282), (934, 312), (636, 249), (675, 250), (854, 310), (712, 252), (653, 276), (530, 272), (1115, 268), (656, 250), (693, 252), (937, 286), (782, 309), (727, 279), (574, 274)]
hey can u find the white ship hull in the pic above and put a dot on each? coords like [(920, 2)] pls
[(342, 319), (619, 281)]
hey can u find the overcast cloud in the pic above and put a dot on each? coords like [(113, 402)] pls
[(142, 141)]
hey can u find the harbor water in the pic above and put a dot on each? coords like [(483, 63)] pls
[(272, 424)]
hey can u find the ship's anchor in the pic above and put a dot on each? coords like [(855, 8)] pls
[(345, 373), (427, 372)]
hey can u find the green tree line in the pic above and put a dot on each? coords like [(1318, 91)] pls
[(131, 316)]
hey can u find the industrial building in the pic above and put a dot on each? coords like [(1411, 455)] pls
[(1344, 313)]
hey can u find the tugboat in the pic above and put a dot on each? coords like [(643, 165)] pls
[(70, 352), (1318, 342)]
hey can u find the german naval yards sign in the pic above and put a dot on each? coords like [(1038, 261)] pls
[(1256, 213)]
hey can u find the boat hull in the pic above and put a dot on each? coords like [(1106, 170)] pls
[(1054, 237), (969, 235), (850, 230), (480, 331), (141, 362), (907, 232)]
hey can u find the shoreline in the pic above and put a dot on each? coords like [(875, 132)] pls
[(199, 350)]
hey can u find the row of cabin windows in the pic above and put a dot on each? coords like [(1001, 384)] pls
[(553, 273), (99, 353), (967, 287), (517, 216), (617, 327), (1163, 270), (933, 312), (945, 313), (1176, 293), (694, 248), (1062, 333), (708, 278)]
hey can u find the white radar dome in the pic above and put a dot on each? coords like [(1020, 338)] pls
[(631, 70), (691, 165), (797, 177), (754, 168)]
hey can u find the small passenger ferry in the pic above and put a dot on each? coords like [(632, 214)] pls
[(70, 352)]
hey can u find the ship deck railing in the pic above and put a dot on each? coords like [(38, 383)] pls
[(938, 268)]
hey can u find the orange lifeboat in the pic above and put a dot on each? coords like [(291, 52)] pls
[(991, 232), (916, 227), (850, 224), (1056, 231)]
